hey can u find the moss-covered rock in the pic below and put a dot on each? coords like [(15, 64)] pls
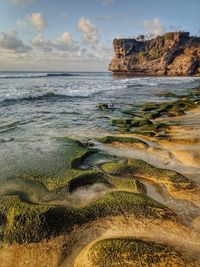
[(36, 188), (152, 129), (126, 125), (26, 222), (150, 106), (124, 140), (131, 122), (71, 154), (122, 121), (126, 184), (102, 106), (139, 168), (167, 94), (130, 111), (172, 108), (124, 130), (116, 168), (145, 133), (133, 252), (164, 107), (143, 122), (145, 113), (152, 115)]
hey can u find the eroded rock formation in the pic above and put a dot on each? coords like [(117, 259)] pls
[(174, 53)]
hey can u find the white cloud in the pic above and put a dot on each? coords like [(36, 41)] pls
[(11, 42), (104, 52), (66, 42), (38, 21), (62, 52), (39, 42), (153, 26), (65, 39), (89, 30), (82, 52)]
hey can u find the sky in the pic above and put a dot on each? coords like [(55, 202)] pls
[(76, 35)]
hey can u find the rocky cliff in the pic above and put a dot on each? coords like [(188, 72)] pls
[(174, 53)]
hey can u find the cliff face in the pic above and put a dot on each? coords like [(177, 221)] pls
[(174, 53)]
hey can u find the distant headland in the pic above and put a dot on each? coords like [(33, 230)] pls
[(173, 54)]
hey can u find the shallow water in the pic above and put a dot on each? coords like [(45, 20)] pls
[(37, 107), (34, 107), (40, 105)]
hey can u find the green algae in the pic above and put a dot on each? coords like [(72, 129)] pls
[(118, 139), (131, 122), (126, 184), (146, 114), (126, 125), (27, 222), (124, 130), (116, 168), (176, 111), (150, 106), (35, 188), (121, 121), (102, 106), (134, 252), (168, 94), (130, 111), (154, 110), (23, 221), (32, 223), (72, 155), (151, 115), (173, 108), (153, 129), (139, 168), (76, 177)]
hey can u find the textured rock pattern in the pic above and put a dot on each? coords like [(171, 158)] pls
[(174, 53)]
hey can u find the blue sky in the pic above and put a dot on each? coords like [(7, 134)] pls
[(77, 35)]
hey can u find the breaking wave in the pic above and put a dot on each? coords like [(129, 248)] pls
[(154, 81), (33, 75), (26, 75), (60, 89), (44, 96)]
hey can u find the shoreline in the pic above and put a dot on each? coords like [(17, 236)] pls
[(139, 74), (141, 177)]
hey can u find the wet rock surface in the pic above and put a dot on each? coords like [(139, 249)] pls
[(97, 208)]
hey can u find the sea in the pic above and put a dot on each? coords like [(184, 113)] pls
[(38, 107)]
